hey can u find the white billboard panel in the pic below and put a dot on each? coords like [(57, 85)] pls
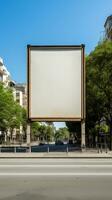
[(55, 83)]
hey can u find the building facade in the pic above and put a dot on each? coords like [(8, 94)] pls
[(19, 94), (19, 89), (4, 74)]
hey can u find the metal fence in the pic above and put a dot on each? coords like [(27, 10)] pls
[(39, 148)]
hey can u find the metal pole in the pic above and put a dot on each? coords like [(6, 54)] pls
[(14, 149), (98, 148), (29, 136), (67, 148), (83, 141), (48, 149)]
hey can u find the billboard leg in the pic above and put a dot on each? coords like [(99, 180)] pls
[(83, 141), (29, 136)]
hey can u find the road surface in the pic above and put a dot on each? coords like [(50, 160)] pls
[(56, 179)]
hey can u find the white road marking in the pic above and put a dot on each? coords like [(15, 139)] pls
[(55, 166), (55, 161), (55, 174)]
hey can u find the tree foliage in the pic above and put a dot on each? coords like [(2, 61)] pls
[(12, 115), (6, 104), (62, 134), (98, 89), (74, 127), (42, 132), (99, 85)]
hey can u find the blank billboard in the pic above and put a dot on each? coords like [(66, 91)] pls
[(55, 83)]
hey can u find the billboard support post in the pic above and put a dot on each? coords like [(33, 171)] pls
[(28, 135), (83, 142)]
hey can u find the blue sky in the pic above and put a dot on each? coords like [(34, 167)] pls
[(25, 22)]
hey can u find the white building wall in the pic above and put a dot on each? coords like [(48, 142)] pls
[(19, 98), (4, 73)]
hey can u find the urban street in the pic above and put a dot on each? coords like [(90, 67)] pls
[(56, 100), (66, 179)]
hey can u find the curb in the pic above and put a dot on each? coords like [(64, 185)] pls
[(53, 156)]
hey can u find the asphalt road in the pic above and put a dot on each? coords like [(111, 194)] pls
[(55, 179)]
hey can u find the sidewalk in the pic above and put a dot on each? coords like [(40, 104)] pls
[(78, 154)]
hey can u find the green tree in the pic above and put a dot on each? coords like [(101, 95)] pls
[(42, 132), (6, 107), (16, 119), (12, 115), (75, 131), (24, 121), (35, 133), (62, 134), (99, 91), (46, 133), (102, 128), (50, 133), (74, 126)]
